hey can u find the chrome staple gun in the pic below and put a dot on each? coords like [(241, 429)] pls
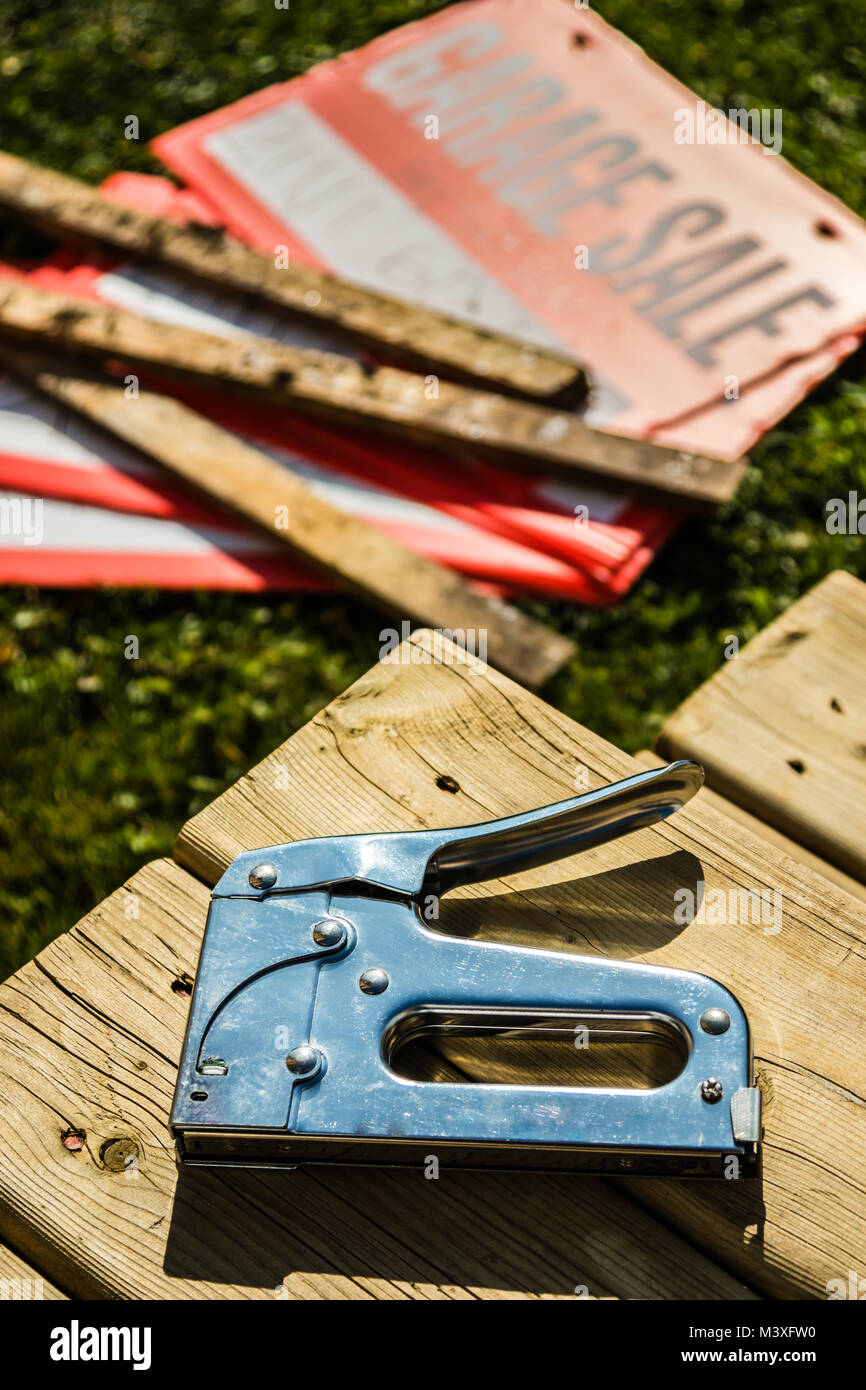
[(317, 965)]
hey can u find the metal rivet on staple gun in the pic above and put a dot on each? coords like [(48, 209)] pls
[(304, 1060), (374, 981), (715, 1021), (263, 876), (306, 992), (328, 932)]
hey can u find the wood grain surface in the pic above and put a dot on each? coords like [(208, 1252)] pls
[(90, 1034), (20, 1282), (451, 742), (774, 838), (781, 730)]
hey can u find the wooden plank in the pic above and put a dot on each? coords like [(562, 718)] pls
[(90, 1036), (344, 391), (20, 1282), (64, 207), (438, 743), (352, 551), (781, 730), (773, 837)]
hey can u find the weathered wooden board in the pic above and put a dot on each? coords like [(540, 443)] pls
[(781, 730), (90, 1035), (449, 416), (418, 742), (773, 837), (64, 207), (20, 1282), (352, 551)]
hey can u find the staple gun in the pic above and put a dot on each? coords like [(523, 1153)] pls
[(318, 964)]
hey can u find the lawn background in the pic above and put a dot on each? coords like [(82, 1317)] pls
[(103, 758)]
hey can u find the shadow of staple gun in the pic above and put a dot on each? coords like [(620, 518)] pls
[(317, 965)]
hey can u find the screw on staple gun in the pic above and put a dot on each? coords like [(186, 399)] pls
[(320, 947)]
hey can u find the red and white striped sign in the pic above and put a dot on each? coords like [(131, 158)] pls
[(550, 536)]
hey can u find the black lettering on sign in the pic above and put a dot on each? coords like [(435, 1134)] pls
[(457, 88), (542, 207), (765, 319), (603, 263), (524, 145), (405, 77), (608, 192), (670, 324), (540, 191), (679, 275), (497, 116)]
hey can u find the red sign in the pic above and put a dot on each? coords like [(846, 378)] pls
[(526, 166), (543, 535)]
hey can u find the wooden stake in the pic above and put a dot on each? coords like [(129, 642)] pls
[(64, 207), (341, 390), (353, 552)]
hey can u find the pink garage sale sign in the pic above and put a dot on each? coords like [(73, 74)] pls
[(527, 167)]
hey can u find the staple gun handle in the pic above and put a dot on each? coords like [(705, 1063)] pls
[(413, 863), (537, 837)]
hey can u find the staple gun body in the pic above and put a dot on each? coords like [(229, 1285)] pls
[(318, 966)]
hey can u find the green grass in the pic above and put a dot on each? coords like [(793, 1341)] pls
[(104, 757)]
